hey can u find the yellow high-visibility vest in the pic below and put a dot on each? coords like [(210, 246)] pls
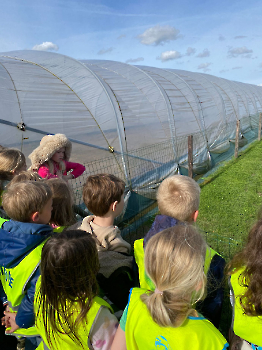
[(246, 327), (143, 333), (14, 281), (144, 280), (62, 341)]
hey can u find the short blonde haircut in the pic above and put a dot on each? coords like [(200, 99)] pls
[(62, 213), (178, 196), (174, 260), (23, 199)]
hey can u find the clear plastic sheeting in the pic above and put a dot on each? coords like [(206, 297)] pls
[(132, 121)]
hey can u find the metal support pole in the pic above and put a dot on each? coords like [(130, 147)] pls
[(190, 156), (259, 126), (237, 138)]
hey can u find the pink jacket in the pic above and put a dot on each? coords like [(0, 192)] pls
[(44, 172)]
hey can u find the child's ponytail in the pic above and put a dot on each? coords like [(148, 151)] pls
[(174, 260)]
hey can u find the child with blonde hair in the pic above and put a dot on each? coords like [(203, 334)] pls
[(165, 318), (69, 313), (178, 200), (51, 158), (29, 205), (246, 293), (12, 162)]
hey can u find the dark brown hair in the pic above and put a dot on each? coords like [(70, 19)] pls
[(100, 191), (69, 265), (62, 213), (251, 278)]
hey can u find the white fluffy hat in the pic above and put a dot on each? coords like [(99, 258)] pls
[(49, 145)]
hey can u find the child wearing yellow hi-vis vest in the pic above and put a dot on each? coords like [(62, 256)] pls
[(29, 205), (245, 271), (165, 318), (69, 314), (178, 200)]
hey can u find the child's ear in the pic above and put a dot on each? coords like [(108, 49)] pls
[(113, 205), (35, 217), (195, 215)]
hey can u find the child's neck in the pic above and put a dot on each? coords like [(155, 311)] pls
[(104, 221)]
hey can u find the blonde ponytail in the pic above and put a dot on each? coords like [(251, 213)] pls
[(174, 260)]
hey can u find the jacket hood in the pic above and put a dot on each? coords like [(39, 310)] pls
[(47, 148), (18, 239)]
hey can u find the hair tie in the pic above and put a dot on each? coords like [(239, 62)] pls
[(157, 291)]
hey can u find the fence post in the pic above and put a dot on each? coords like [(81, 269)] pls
[(259, 126), (190, 156), (236, 140)]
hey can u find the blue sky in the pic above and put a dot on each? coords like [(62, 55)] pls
[(222, 38)]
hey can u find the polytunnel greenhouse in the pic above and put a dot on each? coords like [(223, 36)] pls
[(132, 121)]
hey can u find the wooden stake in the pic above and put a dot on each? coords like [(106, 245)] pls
[(190, 156), (237, 138), (259, 126)]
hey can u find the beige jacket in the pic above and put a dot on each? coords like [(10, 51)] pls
[(107, 238)]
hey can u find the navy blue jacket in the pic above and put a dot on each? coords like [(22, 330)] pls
[(17, 240)]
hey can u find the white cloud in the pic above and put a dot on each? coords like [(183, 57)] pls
[(259, 84), (46, 46), (239, 51), (134, 60), (169, 55), (158, 35), (121, 36), (223, 70), (205, 53), (190, 51), (240, 37), (221, 38), (204, 66), (237, 67), (104, 51)]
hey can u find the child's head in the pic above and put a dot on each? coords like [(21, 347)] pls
[(174, 260), (178, 196), (28, 201), (52, 148), (69, 265), (25, 176), (250, 259), (12, 162), (104, 192), (62, 213)]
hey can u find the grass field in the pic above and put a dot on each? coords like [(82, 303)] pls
[(230, 200)]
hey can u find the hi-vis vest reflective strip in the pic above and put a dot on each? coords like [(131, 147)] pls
[(141, 332), (144, 280), (246, 327), (62, 341)]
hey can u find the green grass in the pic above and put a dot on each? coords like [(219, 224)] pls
[(230, 200)]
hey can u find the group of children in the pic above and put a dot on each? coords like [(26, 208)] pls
[(55, 271)]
